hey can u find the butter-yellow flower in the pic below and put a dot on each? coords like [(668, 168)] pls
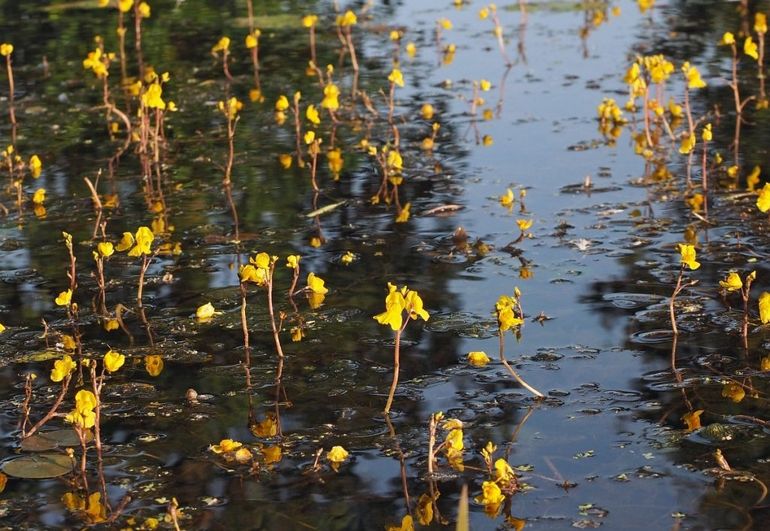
[(62, 367), (64, 298), (478, 358), (113, 360), (727, 39), (764, 307), (6, 49), (732, 282), (687, 255), (316, 284), (396, 77), (763, 201), (750, 48)]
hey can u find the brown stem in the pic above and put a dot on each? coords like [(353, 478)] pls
[(11, 96), (51, 412), (145, 264), (396, 365), (273, 325), (515, 375), (244, 323)]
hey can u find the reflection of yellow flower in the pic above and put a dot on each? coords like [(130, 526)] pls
[(507, 200), (153, 364), (692, 419), (407, 524), (764, 307), (490, 494), (734, 392), (224, 446)]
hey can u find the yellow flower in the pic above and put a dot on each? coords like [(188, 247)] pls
[(125, 243), (309, 137), (483, 13), (331, 97), (645, 5), (2, 328), (125, 5), (39, 196), (507, 200), (143, 240), (490, 494), (205, 312), (83, 415), (95, 63), (487, 140), (316, 284), (105, 249), (524, 224), (454, 439), (153, 364), (337, 454), (707, 135), (282, 103), (503, 472), (152, 97), (394, 307), (763, 201), (478, 359), (6, 49), (144, 10), (222, 45), (732, 282), (750, 48), (687, 254), (347, 258), (335, 160), (485, 85), (427, 111), (445, 23), (348, 19), (61, 368), (506, 318), (727, 39), (411, 49), (414, 306), (252, 40), (64, 298), (111, 324), (292, 261), (760, 23), (312, 115), (113, 360), (225, 446), (35, 166), (396, 77), (230, 108), (688, 143), (309, 20)]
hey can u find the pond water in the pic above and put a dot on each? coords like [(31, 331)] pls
[(608, 444)]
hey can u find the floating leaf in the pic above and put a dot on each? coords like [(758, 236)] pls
[(51, 440), (38, 466)]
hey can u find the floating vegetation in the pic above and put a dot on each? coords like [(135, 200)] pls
[(205, 205)]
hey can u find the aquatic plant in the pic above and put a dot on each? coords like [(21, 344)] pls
[(401, 306)]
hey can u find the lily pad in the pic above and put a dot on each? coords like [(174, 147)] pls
[(51, 440), (38, 466)]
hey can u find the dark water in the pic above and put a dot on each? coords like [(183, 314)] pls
[(606, 447)]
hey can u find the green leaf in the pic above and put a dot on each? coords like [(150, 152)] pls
[(38, 466)]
